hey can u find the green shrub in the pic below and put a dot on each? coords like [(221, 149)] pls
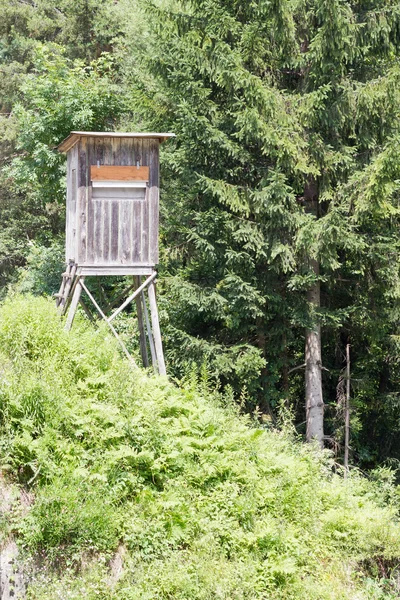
[(41, 274), (205, 504)]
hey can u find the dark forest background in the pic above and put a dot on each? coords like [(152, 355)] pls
[(265, 99)]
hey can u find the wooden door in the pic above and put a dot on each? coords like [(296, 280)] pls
[(118, 214)]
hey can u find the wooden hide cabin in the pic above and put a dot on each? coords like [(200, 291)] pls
[(112, 201)]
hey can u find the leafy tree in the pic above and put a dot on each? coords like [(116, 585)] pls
[(280, 200), (36, 78), (57, 96)]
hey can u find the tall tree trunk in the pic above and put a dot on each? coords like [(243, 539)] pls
[(347, 414), (313, 377), (313, 362)]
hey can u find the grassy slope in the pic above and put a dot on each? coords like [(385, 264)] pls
[(202, 505)]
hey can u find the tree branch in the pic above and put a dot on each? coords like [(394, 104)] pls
[(297, 368)]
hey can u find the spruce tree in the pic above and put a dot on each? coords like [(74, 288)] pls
[(281, 109)]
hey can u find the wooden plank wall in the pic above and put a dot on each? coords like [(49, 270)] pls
[(72, 187), (69, 208), (154, 193), (114, 231)]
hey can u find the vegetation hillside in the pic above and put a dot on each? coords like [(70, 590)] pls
[(190, 499)]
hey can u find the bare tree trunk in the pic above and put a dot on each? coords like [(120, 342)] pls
[(313, 376), (313, 362), (347, 413)]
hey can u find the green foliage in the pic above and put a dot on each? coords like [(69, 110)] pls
[(58, 97), (266, 99), (41, 275), (201, 503)]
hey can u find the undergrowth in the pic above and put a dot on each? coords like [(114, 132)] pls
[(198, 502)]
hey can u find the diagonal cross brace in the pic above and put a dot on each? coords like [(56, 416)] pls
[(132, 297), (154, 332), (124, 348)]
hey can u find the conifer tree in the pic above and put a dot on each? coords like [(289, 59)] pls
[(281, 109)]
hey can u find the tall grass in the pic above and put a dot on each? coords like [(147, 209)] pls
[(204, 504)]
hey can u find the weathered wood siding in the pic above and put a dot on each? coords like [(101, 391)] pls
[(112, 229), (72, 192)]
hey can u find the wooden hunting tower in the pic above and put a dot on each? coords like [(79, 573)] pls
[(112, 218)]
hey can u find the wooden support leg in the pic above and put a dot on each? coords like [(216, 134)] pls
[(142, 333), (65, 290), (68, 285), (60, 294), (149, 333), (156, 329), (74, 303)]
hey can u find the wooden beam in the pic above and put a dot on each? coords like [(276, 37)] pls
[(132, 296), (347, 414), (74, 303), (117, 173), (116, 270), (142, 333), (68, 298), (156, 329), (149, 334), (68, 280)]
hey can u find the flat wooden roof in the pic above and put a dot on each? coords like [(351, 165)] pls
[(75, 135)]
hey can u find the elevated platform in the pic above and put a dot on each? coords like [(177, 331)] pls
[(116, 270)]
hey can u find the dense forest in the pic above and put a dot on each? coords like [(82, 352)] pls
[(280, 192), (278, 292)]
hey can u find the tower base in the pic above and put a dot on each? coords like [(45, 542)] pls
[(70, 296)]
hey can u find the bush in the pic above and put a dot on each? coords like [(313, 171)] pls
[(205, 504), (42, 273)]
